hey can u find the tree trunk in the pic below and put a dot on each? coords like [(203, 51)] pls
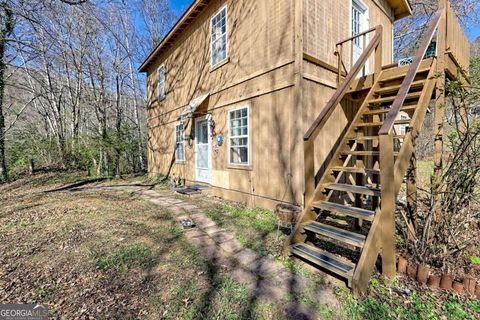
[(5, 30), (118, 128)]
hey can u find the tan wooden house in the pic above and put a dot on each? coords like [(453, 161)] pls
[(282, 101)]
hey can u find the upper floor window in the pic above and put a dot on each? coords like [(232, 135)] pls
[(218, 37), (179, 142), (161, 82), (239, 136)]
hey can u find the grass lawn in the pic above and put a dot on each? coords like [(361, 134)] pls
[(112, 255), (105, 255)]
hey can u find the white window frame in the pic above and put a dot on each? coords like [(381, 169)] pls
[(230, 137), (161, 84), (365, 24), (180, 142), (225, 7)]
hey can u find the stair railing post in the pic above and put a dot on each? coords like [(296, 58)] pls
[(387, 205), (339, 66), (378, 55)]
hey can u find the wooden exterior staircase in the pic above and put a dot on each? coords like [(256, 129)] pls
[(348, 219)]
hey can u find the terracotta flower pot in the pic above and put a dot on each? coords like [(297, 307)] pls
[(469, 285), (477, 291), (402, 265), (412, 270), (457, 287), (422, 274), (433, 281), (446, 282)]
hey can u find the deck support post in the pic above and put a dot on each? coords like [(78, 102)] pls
[(439, 112), (387, 205), (412, 196)]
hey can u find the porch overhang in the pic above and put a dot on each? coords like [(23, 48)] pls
[(401, 8), (192, 107)]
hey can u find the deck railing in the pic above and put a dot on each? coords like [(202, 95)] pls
[(339, 51), (457, 43)]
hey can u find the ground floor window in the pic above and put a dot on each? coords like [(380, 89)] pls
[(239, 136), (179, 142)]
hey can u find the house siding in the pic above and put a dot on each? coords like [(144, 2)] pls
[(259, 74), (327, 22), (265, 72)]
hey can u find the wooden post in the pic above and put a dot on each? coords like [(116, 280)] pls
[(378, 58), (340, 53), (297, 113), (360, 180), (387, 205), (412, 196), (309, 164), (439, 111)]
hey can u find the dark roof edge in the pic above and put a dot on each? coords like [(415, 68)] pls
[(196, 8), (185, 16)]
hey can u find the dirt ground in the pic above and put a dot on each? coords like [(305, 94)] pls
[(104, 255)]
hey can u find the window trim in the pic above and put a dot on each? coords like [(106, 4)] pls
[(160, 98), (224, 61), (249, 144), (182, 142), (361, 4)]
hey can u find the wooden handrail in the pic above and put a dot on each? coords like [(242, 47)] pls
[(341, 91), (357, 35), (389, 121)]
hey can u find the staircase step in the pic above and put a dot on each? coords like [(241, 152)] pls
[(345, 210), (380, 123), (356, 170), (324, 259), (353, 189), (363, 153), (395, 88), (345, 236), (373, 138), (402, 75), (386, 110), (414, 95)]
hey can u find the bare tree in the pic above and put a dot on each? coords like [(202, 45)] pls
[(12, 12), (7, 24)]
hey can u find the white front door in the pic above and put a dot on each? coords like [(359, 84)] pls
[(203, 159), (359, 24)]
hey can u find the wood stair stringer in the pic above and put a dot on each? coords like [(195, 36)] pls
[(371, 250)]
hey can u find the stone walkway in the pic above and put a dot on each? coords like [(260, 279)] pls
[(267, 280)]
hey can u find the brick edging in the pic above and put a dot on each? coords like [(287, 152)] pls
[(422, 274)]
